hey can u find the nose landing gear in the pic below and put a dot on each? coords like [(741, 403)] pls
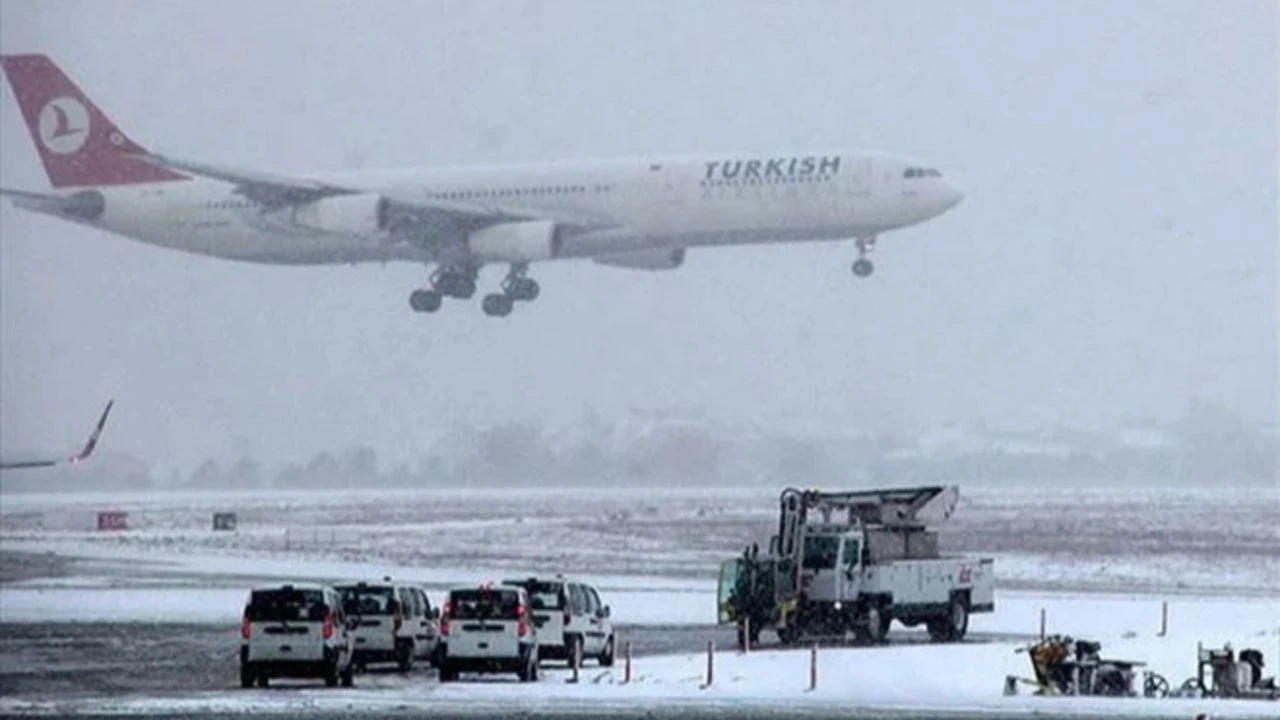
[(862, 267)]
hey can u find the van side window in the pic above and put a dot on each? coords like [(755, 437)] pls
[(578, 603), (425, 601), (408, 604), (596, 605)]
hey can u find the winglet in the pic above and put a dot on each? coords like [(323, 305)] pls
[(93, 438), (77, 142)]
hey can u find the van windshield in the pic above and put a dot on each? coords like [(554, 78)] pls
[(358, 600), (485, 604), (285, 606)]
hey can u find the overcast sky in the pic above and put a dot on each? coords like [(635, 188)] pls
[(1115, 256)]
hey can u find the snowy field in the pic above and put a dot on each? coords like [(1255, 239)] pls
[(1157, 540), (1099, 565)]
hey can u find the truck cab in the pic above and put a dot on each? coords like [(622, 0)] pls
[(831, 564)]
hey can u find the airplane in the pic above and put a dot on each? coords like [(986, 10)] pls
[(636, 213), (74, 459)]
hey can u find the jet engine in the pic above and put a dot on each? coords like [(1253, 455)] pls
[(645, 259), (516, 242), (364, 215)]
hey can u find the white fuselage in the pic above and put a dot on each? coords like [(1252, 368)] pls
[(646, 204)]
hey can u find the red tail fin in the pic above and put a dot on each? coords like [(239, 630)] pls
[(78, 144)]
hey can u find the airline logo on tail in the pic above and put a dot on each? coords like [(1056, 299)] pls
[(64, 125), (78, 144)]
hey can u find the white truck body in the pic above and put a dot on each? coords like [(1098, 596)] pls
[(856, 561)]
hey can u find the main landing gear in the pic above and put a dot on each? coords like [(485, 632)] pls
[(451, 282), (862, 267), (515, 287), (460, 283)]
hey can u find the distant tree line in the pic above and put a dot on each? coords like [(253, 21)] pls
[(1208, 445)]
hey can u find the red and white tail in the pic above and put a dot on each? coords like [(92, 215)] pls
[(78, 144)]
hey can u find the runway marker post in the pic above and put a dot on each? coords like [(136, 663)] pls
[(1164, 618), (711, 668), (813, 667), (626, 652)]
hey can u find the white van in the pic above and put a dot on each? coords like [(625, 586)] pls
[(295, 631), (569, 615), (394, 623), (488, 629)]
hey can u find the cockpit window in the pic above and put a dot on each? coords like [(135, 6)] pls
[(920, 172)]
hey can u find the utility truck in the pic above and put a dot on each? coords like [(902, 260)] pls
[(852, 562)]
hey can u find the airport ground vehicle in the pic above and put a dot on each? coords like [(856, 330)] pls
[(1063, 665), (393, 622), (853, 562), (295, 630), (570, 618), (488, 629), (1223, 673)]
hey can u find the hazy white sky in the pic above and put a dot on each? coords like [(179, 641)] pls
[(1116, 253)]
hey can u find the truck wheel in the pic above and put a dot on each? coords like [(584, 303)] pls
[(877, 625), (952, 626), (958, 618)]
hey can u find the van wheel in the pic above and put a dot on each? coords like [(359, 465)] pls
[(447, 672), (606, 655), (263, 681), (246, 677)]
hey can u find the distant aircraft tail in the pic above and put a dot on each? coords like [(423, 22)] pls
[(93, 437), (77, 142), (77, 458)]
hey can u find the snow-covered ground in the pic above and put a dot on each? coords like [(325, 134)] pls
[(925, 678), (1211, 556), (1158, 540)]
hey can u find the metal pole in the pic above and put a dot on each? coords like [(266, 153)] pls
[(1041, 623), (1164, 618), (626, 650), (746, 634), (813, 667), (711, 651)]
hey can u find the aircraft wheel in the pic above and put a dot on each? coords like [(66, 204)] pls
[(425, 300), (497, 305), (862, 267)]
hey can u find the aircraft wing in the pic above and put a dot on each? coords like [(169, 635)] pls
[(81, 456), (430, 213)]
